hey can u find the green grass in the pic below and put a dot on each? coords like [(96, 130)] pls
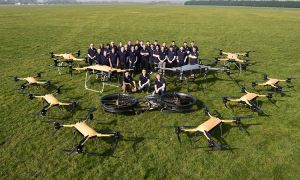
[(32, 149)]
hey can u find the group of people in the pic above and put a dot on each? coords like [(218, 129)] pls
[(138, 56), (143, 57)]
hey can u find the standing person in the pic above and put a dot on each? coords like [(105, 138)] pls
[(105, 58), (181, 57), (193, 45), (166, 49), (144, 81), (119, 47), (102, 48), (171, 58), (151, 57), (113, 59), (145, 58), (193, 57), (98, 57), (132, 58), (123, 58), (175, 47), (160, 85), (155, 55), (187, 50), (129, 44), (162, 60), (137, 49), (156, 44), (91, 54), (128, 83), (112, 46)]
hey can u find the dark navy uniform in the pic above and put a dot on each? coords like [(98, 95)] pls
[(143, 80), (171, 55), (132, 59), (123, 59), (194, 60), (98, 58), (159, 83), (145, 60), (105, 60), (181, 57), (113, 59)]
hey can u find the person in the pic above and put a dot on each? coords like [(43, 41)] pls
[(128, 83), (156, 44), (162, 58), (123, 58), (132, 58), (175, 47), (105, 59), (91, 54), (113, 59), (155, 55), (144, 81), (151, 57), (160, 85), (145, 58), (171, 58), (181, 57), (193, 56), (98, 57)]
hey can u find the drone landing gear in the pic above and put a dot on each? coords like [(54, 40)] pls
[(103, 80)]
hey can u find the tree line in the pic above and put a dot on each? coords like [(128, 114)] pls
[(283, 4)]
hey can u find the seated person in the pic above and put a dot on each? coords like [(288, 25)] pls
[(144, 82), (128, 83), (160, 85)]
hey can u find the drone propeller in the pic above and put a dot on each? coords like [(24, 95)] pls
[(39, 74), (71, 70), (90, 115), (254, 84), (178, 131), (15, 78), (265, 77), (243, 89), (206, 109), (78, 53), (239, 123), (289, 80), (79, 147), (58, 90), (225, 100)]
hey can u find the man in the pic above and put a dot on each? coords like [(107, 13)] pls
[(156, 44), (123, 58), (181, 57), (128, 83), (98, 57), (145, 58), (113, 59), (175, 48), (160, 85), (91, 54), (105, 58), (193, 57), (171, 58), (162, 59), (193, 46), (155, 55), (132, 58), (144, 81)]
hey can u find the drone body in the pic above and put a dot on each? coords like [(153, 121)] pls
[(51, 102), (208, 126), (239, 59), (248, 99), (31, 81), (273, 82), (87, 132)]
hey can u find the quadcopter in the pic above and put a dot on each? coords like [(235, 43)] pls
[(103, 74), (208, 126), (31, 81), (272, 82), (49, 101), (240, 60), (186, 72), (249, 100), (167, 102), (87, 132), (66, 60)]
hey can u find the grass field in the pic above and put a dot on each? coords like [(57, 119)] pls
[(32, 149)]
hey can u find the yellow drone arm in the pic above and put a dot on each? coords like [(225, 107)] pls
[(247, 102), (228, 121), (226, 53), (100, 135), (68, 125), (78, 59), (58, 55), (190, 130), (80, 69), (64, 104), (223, 59)]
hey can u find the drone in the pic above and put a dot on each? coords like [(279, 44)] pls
[(87, 132), (240, 60), (51, 101), (208, 126), (189, 71), (103, 74), (167, 102), (31, 81), (272, 82), (249, 100), (66, 60)]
